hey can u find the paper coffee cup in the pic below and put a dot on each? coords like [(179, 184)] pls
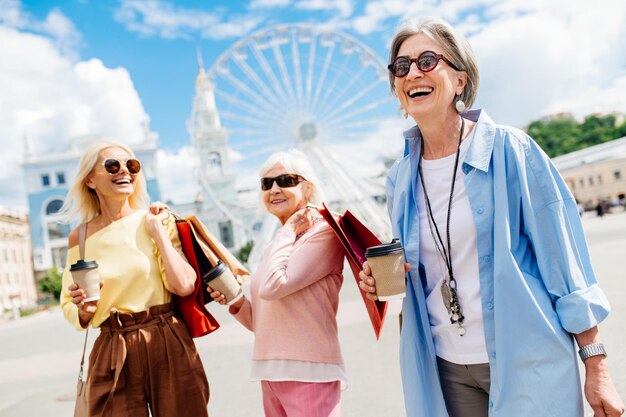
[(85, 275), (221, 278), (387, 264)]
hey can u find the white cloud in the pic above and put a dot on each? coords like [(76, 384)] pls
[(268, 4), (553, 59), (56, 25), (344, 7), (11, 14), (160, 18), (62, 29), (176, 168), (50, 98), (378, 11), (535, 57)]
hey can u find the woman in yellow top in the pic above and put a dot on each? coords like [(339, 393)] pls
[(144, 356)]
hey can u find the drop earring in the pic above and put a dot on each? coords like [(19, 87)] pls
[(459, 105), (405, 114)]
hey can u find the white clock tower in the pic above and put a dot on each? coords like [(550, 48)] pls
[(220, 206), (211, 144)]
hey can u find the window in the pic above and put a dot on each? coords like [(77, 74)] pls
[(617, 174), (590, 180), (226, 234), (58, 230), (215, 163), (581, 182), (59, 256), (45, 180), (53, 207), (599, 179), (60, 178)]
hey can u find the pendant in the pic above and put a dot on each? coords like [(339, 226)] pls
[(460, 330), (446, 296)]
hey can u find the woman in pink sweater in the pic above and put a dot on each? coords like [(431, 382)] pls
[(294, 298)]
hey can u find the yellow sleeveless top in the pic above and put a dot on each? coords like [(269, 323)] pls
[(129, 264)]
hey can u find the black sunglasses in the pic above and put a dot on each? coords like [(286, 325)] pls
[(426, 62), (113, 166), (283, 181)]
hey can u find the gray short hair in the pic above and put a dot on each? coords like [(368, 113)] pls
[(296, 162), (453, 44)]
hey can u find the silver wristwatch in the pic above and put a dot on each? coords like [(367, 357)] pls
[(593, 349)]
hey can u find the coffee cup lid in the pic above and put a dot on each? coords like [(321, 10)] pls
[(83, 264), (385, 249), (215, 272)]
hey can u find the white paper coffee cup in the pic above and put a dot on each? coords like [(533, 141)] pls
[(85, 275), (221, 278), (387, 264)]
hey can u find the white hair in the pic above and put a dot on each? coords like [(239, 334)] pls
[(295, 162)]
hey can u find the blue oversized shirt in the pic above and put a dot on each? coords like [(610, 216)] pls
[(536, 280)]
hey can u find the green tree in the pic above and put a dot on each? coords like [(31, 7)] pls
[(563, 134), (244, 252), (557, 135), (52, 283), (596, 130)]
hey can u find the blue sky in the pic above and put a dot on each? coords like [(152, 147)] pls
[(162, 58), (76, 67)]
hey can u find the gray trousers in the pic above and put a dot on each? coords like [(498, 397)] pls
[(465, 388)]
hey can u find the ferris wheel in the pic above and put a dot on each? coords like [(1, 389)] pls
[(287, 85), (301, 86)]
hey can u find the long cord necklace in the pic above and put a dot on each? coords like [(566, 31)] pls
[(449, 286)]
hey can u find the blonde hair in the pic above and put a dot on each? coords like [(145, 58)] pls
[(81, 203), (295, 162), (453, 44)]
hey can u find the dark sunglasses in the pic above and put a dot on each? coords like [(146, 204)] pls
[(113, 166), (426, 62), (283, 181)]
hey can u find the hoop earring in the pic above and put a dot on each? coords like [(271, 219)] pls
[(459, 105)]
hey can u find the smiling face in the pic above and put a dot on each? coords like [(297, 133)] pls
[(283, 202), (116, 186), (427, 94)]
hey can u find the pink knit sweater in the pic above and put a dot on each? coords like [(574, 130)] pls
[(295, 296)]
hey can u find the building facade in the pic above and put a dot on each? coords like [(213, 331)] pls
[(596, 173), (48, 178), (17, 283), (229, 213)]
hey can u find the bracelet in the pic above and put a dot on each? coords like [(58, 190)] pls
[(593, 349)]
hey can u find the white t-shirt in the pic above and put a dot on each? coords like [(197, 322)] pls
[(470, 348)]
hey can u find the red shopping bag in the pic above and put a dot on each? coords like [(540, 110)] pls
[(356, 238), (191, 308)]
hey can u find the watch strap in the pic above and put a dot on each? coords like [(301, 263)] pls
[(592, 349)]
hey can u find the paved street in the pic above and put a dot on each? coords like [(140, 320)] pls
[(39, 355)]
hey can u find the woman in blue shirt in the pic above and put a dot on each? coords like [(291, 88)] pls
[(500, 281)]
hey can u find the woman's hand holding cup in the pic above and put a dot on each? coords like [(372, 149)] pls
[(368, 283), (220, 298), (217, 296), (86, 309)]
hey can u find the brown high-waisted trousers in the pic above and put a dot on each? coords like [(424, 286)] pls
[(142, 360)]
